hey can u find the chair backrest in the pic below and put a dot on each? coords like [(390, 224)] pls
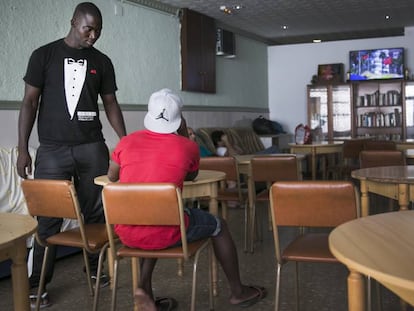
[(379, 145), (271, 168), (51, 198), (313, 203), (371, 158), (143, 204), (227, 165), (352, 148), (54, 198)]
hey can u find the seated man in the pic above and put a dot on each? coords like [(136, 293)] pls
[(141, 157)]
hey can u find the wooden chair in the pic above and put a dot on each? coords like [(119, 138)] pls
[(309, 204), (227, 165), (374, 158), (350, 156), (380, 145), (269, 169), (58, 199), (149, 204)]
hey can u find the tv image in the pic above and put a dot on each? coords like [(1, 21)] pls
[(376, 64)]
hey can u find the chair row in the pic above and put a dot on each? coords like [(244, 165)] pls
[(302, 204)]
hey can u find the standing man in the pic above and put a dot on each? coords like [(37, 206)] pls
[(62, 84)]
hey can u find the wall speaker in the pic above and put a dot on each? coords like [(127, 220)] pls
[(225, 43)]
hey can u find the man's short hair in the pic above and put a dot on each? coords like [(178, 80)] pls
[(87, 8)]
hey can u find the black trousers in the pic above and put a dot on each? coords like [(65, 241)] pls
[(80, 163)]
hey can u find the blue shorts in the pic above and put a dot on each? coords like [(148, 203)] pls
[(202, 224)]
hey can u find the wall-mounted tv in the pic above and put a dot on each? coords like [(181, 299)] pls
[(376, 64)]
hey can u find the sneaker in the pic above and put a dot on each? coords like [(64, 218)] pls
[(103, 282), (44, 300)]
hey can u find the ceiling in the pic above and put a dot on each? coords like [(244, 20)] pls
[(328, 20)]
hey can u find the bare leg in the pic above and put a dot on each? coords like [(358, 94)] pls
[(147, 266), (226, 254), (143, 301)]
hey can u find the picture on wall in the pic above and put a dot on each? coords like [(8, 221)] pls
[(331, 73)]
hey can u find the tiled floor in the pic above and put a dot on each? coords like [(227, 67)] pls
[(322, 287)]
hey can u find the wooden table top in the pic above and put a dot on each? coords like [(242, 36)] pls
[(14, 227), (380, 246), (204, 176), (386, 174), (318, 144), (245, 158)]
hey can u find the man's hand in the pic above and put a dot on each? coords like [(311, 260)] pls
[(24, 164)]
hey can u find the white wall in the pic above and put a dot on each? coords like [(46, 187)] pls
[(291, 68), (144, 45)]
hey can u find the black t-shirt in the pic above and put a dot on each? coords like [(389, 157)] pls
[(70, 81)]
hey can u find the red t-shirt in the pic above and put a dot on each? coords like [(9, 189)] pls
[(145, 156)]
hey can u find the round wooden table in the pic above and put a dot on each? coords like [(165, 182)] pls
[(395, 182), (379, 246), (14, 230), (324, 147)]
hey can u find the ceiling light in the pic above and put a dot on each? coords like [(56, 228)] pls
[(317, 41), (225, 10), (284, 27), (387, 17), (229, 9)]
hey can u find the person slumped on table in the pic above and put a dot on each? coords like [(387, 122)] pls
[(223, 146), (141, 157), (204, 152), (62, 83)]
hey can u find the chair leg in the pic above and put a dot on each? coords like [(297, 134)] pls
[(98, 278), (246, 227), (194, 285), (115, 285), (297, 285), (88, 271), (252, 226), (277, 291), (224, 210), (42, 279)]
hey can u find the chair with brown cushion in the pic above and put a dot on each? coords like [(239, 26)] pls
[(58, 199), (156, 204), (350, 156), (229, 166), (314, 207), (268, 169), (380, 145), (374, 158)]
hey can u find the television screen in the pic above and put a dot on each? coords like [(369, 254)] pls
[(376, 64)]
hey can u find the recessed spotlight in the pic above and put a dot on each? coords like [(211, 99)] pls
[(284, 27), (316, 40), (387, 17), (226, 10)]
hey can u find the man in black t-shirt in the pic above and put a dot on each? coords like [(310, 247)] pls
[(62, 83)]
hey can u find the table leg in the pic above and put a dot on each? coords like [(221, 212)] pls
[(213, 208), (364, 199), (403, 199), (313, 164), (252, 215), (356, 291), (19, 274)]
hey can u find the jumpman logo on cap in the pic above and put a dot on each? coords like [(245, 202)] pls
[(161, 116)]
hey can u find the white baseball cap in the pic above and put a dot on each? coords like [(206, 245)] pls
[(164, 112)]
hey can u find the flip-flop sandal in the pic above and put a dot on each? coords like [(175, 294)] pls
[(261, 293), (166, 303)]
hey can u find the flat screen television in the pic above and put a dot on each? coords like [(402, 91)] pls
[(387, 63)]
